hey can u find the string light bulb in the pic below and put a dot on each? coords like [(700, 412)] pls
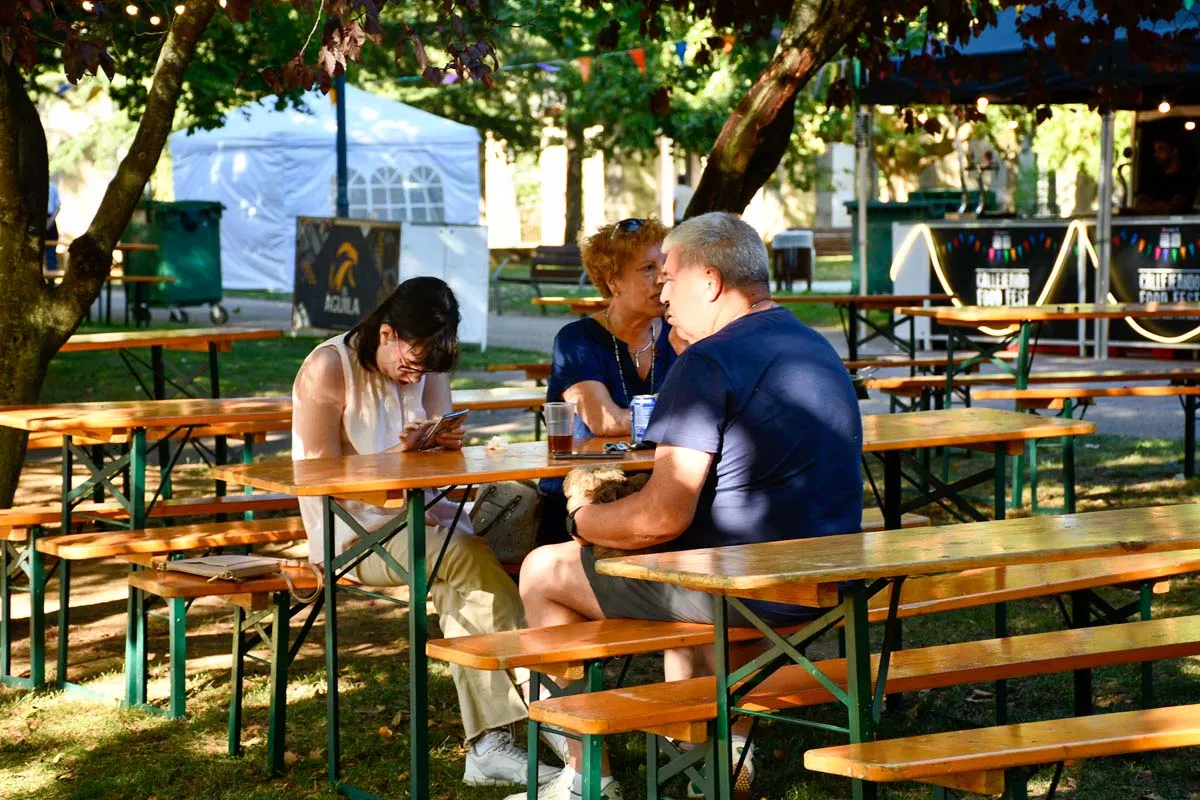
[(1190, 125), (131, 10), (155, 20), (87, 5), (179, 9), (1013, 124), (1164, 107), (982, 103), (221, 3)]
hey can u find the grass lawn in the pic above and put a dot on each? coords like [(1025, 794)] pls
[(54, 747)]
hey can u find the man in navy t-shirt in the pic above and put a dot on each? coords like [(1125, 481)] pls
[(759, 439)]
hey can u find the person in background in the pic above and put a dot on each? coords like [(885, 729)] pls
[(758, 438), (601, 362), (53, 205), (681, 196), (374, 390), (1169, 186)]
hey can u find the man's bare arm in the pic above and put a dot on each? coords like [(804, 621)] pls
[(660, 512)]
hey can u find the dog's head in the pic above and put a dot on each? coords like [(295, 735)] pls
[(584, 485)]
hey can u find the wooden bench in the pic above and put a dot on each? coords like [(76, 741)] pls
[(136, 546), (561, 265), (534, 371), (938, 383), (1065, 399), (996, 760), (251, 600), (833, 241)]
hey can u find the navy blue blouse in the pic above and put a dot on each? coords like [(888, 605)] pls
[(583, 351)]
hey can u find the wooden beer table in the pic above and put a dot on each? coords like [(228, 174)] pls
[(852, 309), (812, 572), (212, 340), (116, 274), (400, 480), (1017, 323)]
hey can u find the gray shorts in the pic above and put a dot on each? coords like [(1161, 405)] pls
[(628, 598)]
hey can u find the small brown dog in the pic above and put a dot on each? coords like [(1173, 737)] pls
[(586, 485)]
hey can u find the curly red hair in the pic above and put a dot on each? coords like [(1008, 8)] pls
[(608, 250)]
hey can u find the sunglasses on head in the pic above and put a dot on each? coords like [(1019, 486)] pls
[(631, 225)]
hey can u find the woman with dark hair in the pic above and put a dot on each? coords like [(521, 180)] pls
[(374, 390)]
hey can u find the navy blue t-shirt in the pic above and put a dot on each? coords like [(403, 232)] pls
[(771, 400), (583, 351)]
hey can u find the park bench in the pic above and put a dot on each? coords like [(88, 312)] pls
[(140, 547), (999, 760), (263, 609), (534, 371), (681, 710), (833, 241), (560, 265)]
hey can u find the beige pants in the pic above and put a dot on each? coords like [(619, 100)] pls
[(472, 595)]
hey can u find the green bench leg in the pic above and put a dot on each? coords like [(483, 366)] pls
[(1081, 618), (37, 611), (178, 631), (236, 686), (64, 619), (135, 648), (593, 745), (531, 742), (1145, 596), (277, 726), (1000, 611), (6, 612)]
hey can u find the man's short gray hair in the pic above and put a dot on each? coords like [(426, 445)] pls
[(724, 242)]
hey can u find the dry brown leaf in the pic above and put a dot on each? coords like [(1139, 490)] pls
[(398, 719), (290, 758), (316, 753)]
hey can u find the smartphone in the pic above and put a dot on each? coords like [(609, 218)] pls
[(445, 423)]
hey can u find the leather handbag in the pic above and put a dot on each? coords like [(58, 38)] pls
[(507, 515)]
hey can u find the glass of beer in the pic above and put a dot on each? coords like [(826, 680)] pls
[(560, 426)]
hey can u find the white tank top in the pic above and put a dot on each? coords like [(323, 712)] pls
[(376, 411)]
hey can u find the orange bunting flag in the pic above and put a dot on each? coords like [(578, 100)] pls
[(729, 40), (639, 58), (585, 67)]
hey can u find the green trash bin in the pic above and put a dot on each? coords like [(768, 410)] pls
[(922, 205), (188, 235)]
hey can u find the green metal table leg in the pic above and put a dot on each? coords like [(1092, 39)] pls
[(418, 633), (858, 678), (277, 727), (135, 647), (1081, 618), (1000, 627), (999, 482), (722, 738), (236, 678), (248, 458), (64, 620), (333, 745), (37, 611), (178, 650), (1031, 448), (6, 611), (652, 787), (1022, 381), (531, 740), (137, 480), (1068, 456)]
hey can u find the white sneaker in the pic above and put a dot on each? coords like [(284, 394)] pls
[(556, 742), (560, 789), (495, 760)]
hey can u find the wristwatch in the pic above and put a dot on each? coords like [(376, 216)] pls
[(571, 529)]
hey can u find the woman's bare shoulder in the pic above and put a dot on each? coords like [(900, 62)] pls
[(321, 374)]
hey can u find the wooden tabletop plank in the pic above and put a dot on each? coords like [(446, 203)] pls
[(998, 378), (1061, 392), (398, 472), (221, 415), (918, 551), (121, 340), (969, 316), (962, 427)]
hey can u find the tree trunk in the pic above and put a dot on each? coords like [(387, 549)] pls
[(574, 183), (37, 318), (757, 134)]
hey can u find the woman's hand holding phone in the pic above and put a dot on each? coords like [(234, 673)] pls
[(445, 432)]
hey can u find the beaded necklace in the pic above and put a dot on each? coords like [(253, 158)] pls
[(617, 354)]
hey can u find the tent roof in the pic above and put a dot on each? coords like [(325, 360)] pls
[(370, 119), (1006, 60)]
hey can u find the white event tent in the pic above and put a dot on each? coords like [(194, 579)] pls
[(268, 167)]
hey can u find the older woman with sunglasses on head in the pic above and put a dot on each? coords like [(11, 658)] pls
[(373, 390), (603, 361)]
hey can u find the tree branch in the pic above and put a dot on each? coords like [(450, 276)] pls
[(91, 254)]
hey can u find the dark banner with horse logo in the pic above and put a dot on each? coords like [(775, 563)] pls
[(999, 264), (1155, 262), (343, 269)]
